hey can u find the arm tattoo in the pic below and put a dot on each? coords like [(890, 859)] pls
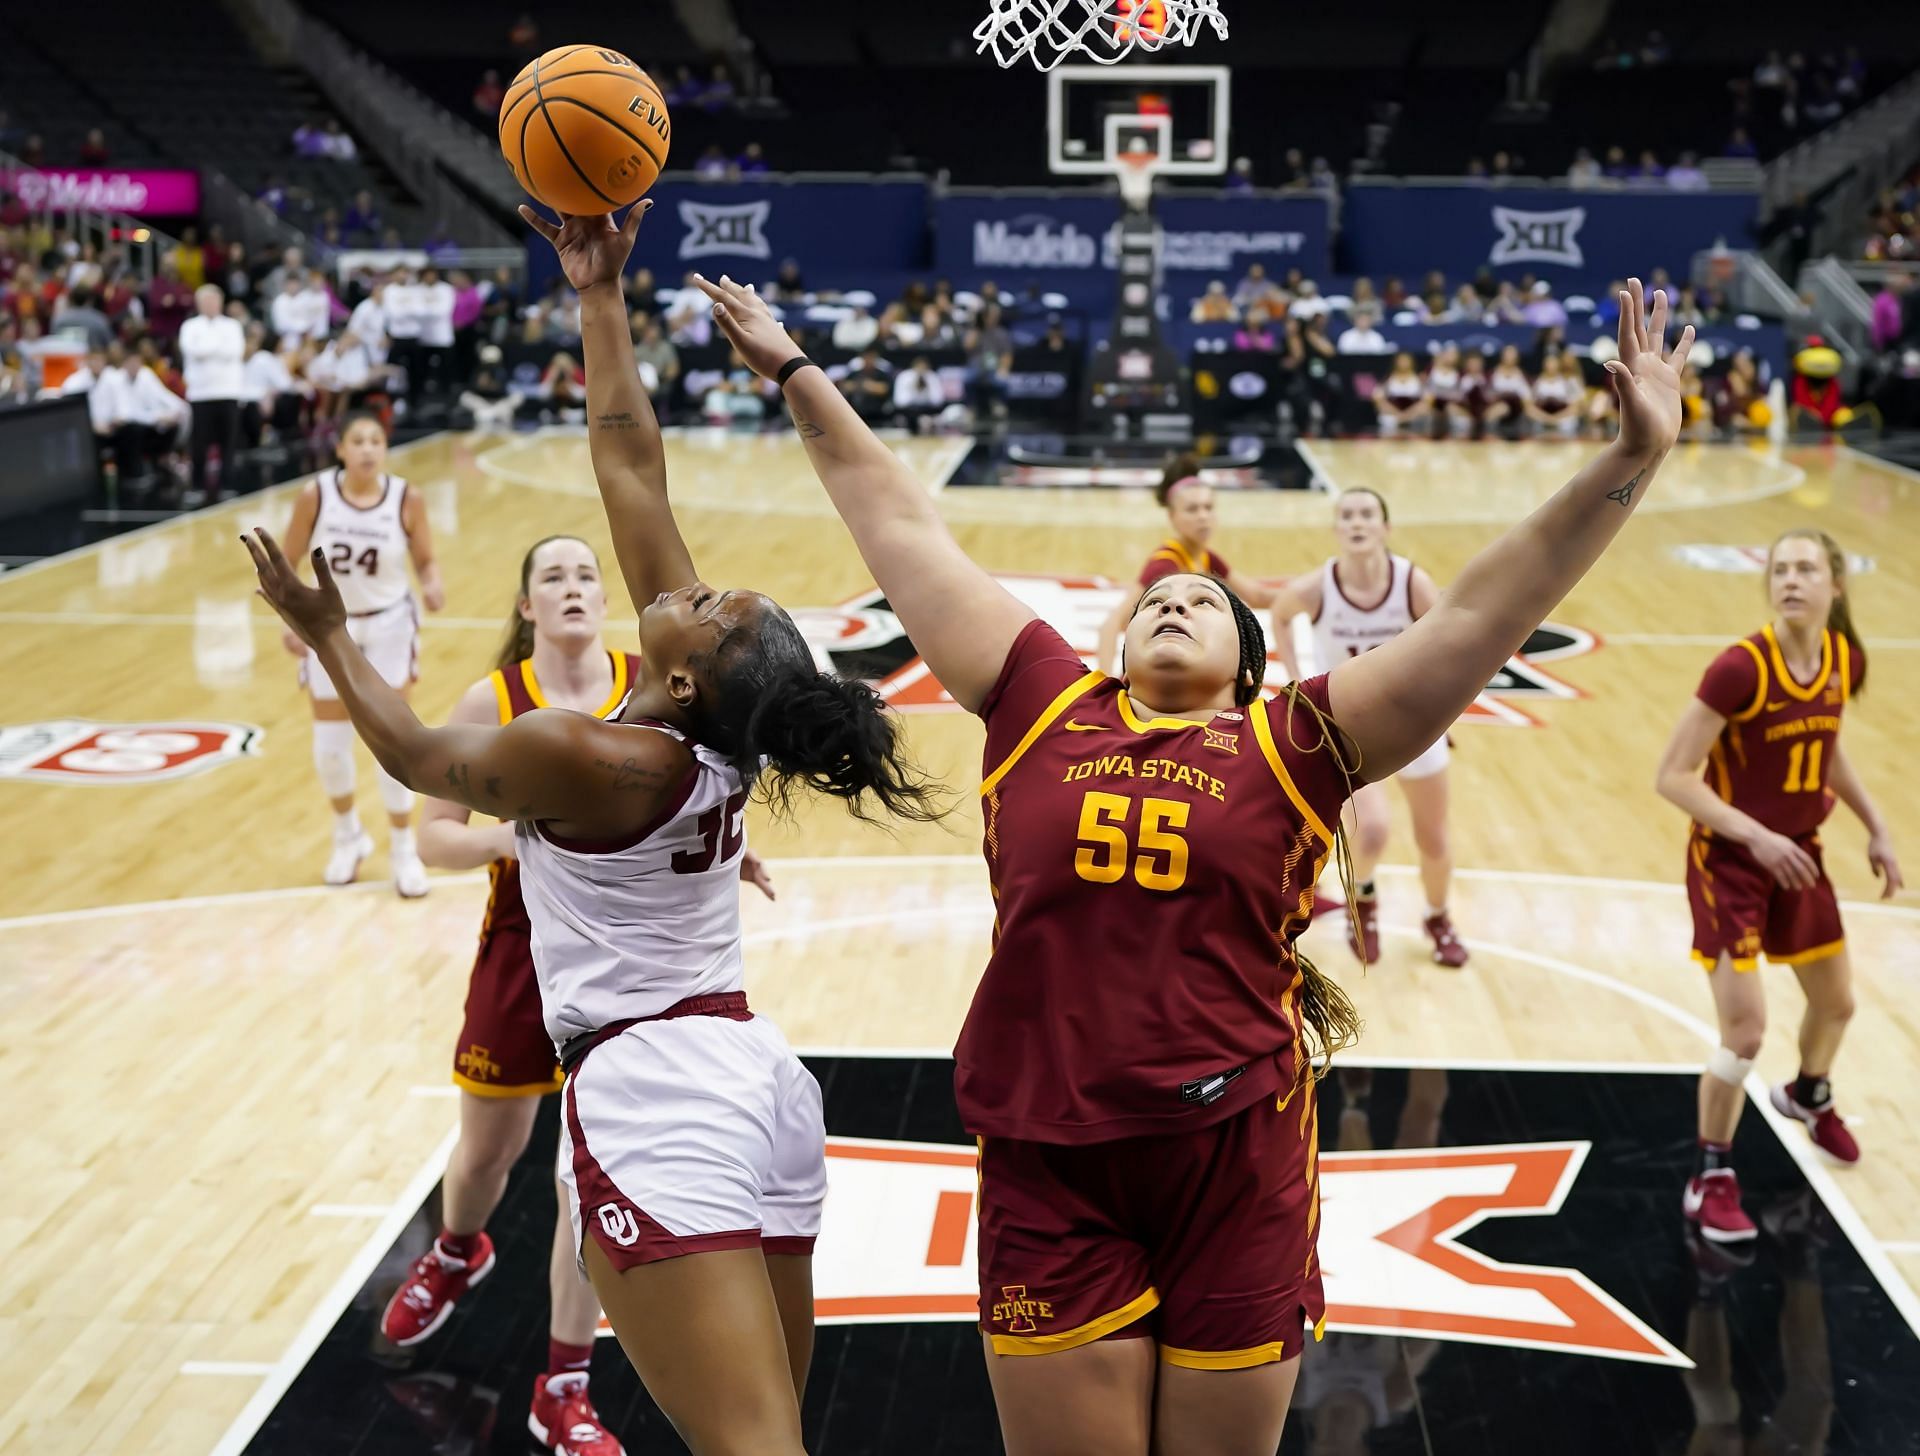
[(624, 420), (457, 778), (808, 429), (631, 775), (1624, 495), (493, 788)]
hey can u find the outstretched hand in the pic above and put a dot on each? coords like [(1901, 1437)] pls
[(749, 325), (1646, 376), (592, 250), (311, 611)]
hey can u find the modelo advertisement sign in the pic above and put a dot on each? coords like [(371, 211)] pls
[(1217, 236), (106, 189), (1573, 239)]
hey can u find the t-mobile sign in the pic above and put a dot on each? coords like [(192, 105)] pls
[(106, 189)]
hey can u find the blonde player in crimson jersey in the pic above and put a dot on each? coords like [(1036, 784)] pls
[(1357, 600), (370, 525), (1765, 722), (1137, 1058), (1189, 504), (692, 1145)]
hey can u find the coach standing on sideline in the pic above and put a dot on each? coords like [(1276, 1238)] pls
[(213, 353)]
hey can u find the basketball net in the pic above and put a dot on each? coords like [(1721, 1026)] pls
[(1135, 174), (1049, 31)]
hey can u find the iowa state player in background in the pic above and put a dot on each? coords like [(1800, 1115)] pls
[(1137, 1057), (1766, 723)]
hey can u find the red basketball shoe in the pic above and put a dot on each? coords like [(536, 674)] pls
[(1827, 1127), (563, 1418), (1363, 928), (421, 1304), (1712, 1203), (1447, 949)]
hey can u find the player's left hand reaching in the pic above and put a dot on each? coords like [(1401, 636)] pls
[(592, 250), (1646, 375), (1880, 856), (749, 325), (313, 612), (753, 871)]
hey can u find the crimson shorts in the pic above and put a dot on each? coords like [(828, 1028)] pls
[(504, 1049), (1741, 911), (1203, 1240)]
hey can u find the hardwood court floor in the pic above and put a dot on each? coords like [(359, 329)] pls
[(227, 1079)]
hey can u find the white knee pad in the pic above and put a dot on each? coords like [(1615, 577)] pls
[(1729, 1068), (395, 795), (333, 757)]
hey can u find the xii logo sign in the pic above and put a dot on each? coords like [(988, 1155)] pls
[(738, 230), (1539, 237)]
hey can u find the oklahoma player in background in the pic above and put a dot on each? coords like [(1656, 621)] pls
[(1397, 594), (1138, 1057), (369, 524), (1188, 501), (1766, 723)]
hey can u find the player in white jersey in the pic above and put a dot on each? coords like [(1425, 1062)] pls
[(1357, 600), (370, 527), (694, 1153)]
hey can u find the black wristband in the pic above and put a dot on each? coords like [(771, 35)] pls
[(792, 367)]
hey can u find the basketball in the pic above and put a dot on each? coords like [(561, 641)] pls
[(584, 129)]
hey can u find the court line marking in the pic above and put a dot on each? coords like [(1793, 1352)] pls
[(1345, 1059), (280, 1375), (1901, 1246), (185, 518), (350, 1210), (1791, 1135), (225, 1367), (1866, 458)]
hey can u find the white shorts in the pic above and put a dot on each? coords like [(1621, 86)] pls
[(391, 640), (1433, 761), (693, 1134)]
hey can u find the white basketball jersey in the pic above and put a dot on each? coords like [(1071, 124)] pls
[(1344, 628), (625, 930), (1509, 384), (1404, 389), (1443, 384), (366, 546), (1554, 389)]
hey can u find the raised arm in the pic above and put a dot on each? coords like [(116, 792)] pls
[(1397, 699), (1290, 601), (447, 840), (1679, 782), (1254, 593), (1847, 786), (594, 780), (961, 620), (629, 460)]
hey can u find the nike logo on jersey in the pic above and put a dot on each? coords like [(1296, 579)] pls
[(1075, 726), (1775, 707)]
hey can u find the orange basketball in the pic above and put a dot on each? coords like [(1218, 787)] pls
[(584, 129)]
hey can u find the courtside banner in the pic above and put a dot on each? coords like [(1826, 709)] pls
[(748, 228), (1574, 239), (106, 189), (1015, 233)]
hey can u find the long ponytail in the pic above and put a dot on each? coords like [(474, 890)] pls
[(1840, 614), (785, 725), (517, 645)]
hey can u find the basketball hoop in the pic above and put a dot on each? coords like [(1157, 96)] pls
[(1049, 31), (1135, 175)]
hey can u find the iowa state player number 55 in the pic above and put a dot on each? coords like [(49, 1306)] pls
[(1105, 849)]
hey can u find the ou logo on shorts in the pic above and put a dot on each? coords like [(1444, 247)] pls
[(620, 1224)]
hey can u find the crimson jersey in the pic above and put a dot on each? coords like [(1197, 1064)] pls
[(516, 690), (1772, 758), (1171, 558), (1150, 878)]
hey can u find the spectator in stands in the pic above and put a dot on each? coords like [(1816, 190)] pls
[(363, 222), (1321, 178), (900, 324), (1255, 334), (1887, 320), (1252, 289), (1685, 175), (309, 140), (488, 94), (642, 293), (368, 322), (939, 329), (1293, 169), (79, 313), (918, 395), (1822, 106), (1616, 168), (1543, 310), (718, 94), (1649, 169), (1363, 336), (523, 35), (1687, 308), (1214, 306), (337, 144), (33, 151), (867, 387), (292, 260), (1508, 393), (1240, 175), (264, 379), (1502, 168), (1740, 146), (1364, 296), (189, 259), (1308, 362), (655, 351), (989, 362), (684, 91), (752, 161), (1434, 308), (169, 301), (1308, 302), (1476, 169), (1393, 295), (139, 415), (789, 284), (1467, 305), (213, 354), (856, 330), (93, 151), (713, 165), (436, 332), (291, 314), (690, 324), (1585, 171), (1771, 73), (1401, 398)]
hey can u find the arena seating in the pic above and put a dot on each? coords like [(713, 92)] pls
[(59, 106)]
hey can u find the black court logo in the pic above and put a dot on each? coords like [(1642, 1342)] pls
[(739, 230), (1539, 237), (77, 751)]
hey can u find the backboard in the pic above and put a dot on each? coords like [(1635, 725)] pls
[(1097, 114)]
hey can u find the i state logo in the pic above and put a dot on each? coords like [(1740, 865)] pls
[(78, 751)]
